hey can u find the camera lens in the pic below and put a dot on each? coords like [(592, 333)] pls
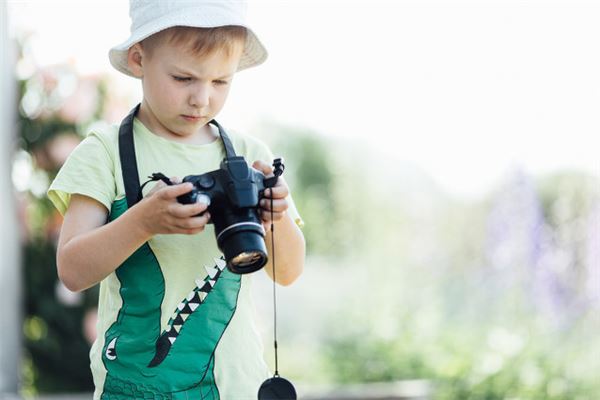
[(247, 259), (244, 247)]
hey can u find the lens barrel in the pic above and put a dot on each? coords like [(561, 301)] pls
[(244, 247)]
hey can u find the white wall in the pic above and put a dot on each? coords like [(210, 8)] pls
[(10, 289)]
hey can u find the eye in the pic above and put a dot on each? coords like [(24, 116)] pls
[(181, 78), (220, 82)]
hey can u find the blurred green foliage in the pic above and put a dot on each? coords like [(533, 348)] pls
[(474, 361), (56, 348), (508, 312), (52, 330)]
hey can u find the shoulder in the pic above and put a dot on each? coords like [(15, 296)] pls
[(101, 143), (102, 138), (89, 170), (106, 134)]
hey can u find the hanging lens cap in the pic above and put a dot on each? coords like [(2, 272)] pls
[(277, 388)]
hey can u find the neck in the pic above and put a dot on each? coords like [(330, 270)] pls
[(203, 135)]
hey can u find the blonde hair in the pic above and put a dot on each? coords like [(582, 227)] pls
[(199, 41)]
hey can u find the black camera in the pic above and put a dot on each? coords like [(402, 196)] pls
[(234, 191)]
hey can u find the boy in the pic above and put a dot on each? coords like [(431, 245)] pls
[(173, 322)]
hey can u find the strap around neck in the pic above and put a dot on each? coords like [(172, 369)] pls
[(131, 177)]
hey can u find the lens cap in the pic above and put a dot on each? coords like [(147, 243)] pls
[(277, 388)]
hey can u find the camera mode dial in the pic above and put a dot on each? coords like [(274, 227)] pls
[(206, 182)]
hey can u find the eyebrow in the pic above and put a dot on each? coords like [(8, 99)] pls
[(184, 72)]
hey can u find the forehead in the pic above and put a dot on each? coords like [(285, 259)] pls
[(219, 48), (215, 63), (227, 39)]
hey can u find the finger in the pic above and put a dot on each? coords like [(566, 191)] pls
[(170, 192), (263, 167), (267, 226), (175, 179), (279, 191), (157, 186), (265, 216), (278, 205), (187, 210), (192, 222)]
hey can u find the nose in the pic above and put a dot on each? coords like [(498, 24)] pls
[(199, 96)]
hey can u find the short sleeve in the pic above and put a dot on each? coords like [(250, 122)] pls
[(263, 153), (88, 171)]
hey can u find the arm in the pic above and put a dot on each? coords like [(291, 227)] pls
[(289, 251), (289, 242), (89, 249)]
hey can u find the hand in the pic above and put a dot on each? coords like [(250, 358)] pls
[(160, 212), (278, 193)]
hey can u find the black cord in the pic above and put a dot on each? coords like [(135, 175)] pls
[(274, 286)]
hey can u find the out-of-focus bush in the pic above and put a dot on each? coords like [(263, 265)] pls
[(493, 298), (56, 107)]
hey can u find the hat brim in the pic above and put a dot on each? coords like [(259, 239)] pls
[(254, 52)]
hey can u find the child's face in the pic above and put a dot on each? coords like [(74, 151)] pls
[(183, 91)]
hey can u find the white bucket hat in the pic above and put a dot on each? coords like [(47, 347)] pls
[(149, 17)]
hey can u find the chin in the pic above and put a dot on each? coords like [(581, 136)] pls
[(182, 134)]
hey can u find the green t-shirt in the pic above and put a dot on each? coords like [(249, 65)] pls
[(174, 287)]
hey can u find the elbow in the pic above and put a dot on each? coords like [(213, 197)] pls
[(295, 269), (69, 281), (66, 275), (293, 273), (291, 264), (289, 279)]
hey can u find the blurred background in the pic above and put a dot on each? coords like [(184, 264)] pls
[(444, 157)]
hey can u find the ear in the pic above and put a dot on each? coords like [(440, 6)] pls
[(135, 55)]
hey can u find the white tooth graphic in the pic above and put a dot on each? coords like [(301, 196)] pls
[(171, 339), (191, 296), (211, 272), (199, 283), (220, 263), (193, 306)]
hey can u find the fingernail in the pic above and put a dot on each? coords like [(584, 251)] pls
[(268, 192)]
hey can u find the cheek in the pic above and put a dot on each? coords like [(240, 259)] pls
[(166, 94), (221, 96)]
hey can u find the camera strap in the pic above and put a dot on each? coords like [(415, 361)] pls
[(276, 387), (131, 177)]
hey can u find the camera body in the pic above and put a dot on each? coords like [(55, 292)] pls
[(234, 191)]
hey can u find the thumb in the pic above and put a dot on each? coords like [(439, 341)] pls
[(263, 167), (177, 190), (160, 184)]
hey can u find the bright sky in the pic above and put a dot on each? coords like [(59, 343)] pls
[(465, 90)]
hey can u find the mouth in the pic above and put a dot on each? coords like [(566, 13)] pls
[(193, 118)]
